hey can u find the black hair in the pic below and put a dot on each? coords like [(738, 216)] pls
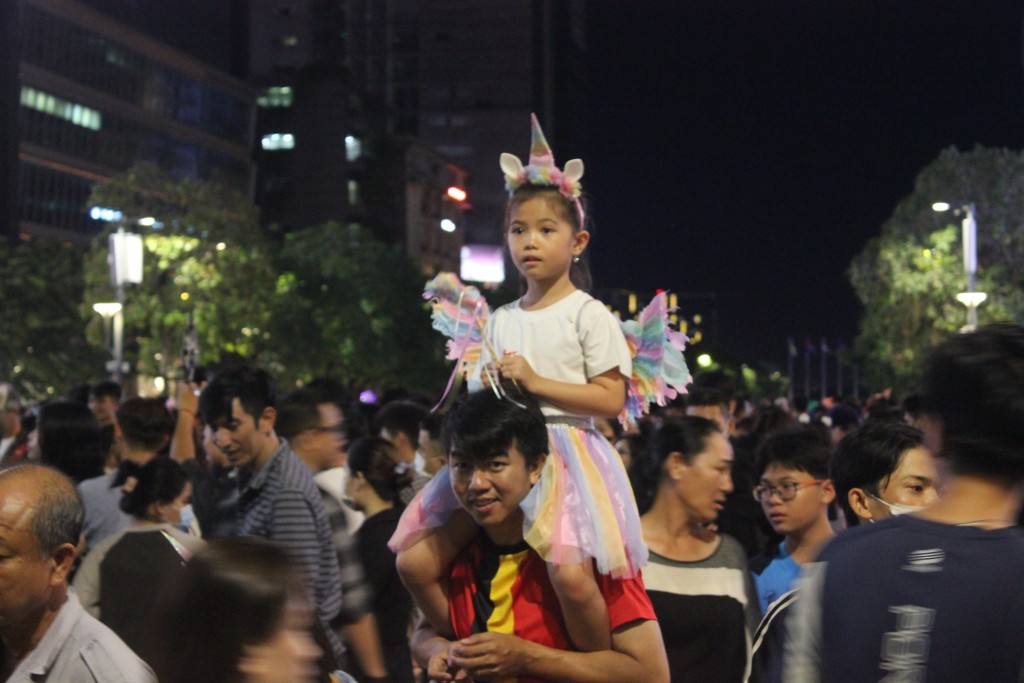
[(804, 449), (912, 405), (351, 407), (252, 386), (483, 425), (707, 396), (867, 457), (974, 383), (161, 480), (687, 435), (431, 424), (231, 594), (579, 271), (844, 417), (402, 417), (376, 459), (298, 411), (104, 389), (145, 423), (71, 441)]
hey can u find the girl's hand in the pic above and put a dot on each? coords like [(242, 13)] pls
[(441, 669), (516, 368)]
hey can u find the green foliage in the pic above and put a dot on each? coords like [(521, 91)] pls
[(351, 307), (205, 253), (43, 351), (908, 277)]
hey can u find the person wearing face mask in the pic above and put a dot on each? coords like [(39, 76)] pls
[(882, 470), (119, 578)]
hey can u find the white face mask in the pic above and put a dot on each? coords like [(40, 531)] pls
[(897, 508), (419, 463)]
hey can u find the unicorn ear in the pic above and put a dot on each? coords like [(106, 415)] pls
[(573, 170), (511, 165)]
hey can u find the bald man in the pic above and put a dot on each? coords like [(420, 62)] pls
[(45, 635)]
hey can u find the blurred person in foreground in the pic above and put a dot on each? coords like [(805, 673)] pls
[(239, 614), (934, 595)]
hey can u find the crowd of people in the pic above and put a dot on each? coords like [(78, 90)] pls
[(581, 512), (155, 566)]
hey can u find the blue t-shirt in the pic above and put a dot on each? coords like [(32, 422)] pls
[(774, 573)]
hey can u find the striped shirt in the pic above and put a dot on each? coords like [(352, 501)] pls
[(280, 502)]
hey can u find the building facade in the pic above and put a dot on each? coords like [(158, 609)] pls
[(91, 97)]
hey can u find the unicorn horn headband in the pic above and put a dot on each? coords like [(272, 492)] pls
[(542, 171)]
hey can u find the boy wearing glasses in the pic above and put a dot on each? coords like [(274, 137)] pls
[(795, 491)]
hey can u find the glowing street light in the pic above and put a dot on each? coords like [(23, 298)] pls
[(971, 298), (704, 360)]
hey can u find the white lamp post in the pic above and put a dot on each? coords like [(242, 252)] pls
[(125, 259), (971, 298)]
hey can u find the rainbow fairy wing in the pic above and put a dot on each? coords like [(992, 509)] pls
[(458, 312), (659, 370)]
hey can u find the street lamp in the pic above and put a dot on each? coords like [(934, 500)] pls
[(125, 260), (971, 298), (113, 334)]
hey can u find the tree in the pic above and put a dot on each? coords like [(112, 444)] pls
[(43, 350), (203, 253), (908, 277), (349, 306)]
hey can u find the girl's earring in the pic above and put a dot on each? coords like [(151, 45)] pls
[(575, 259)]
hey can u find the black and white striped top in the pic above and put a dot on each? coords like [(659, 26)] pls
[(280, 502)]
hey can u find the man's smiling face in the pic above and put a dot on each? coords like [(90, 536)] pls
[(491, 488)]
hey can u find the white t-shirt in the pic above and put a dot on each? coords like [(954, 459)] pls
[(569, 341)]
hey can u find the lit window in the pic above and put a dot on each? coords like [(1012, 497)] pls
[(353, 192), (276, 96), (288, 41), (353, 148), (276, 141), (69, 111)]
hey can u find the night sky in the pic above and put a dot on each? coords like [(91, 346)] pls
[(751, 148)]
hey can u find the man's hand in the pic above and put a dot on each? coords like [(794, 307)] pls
[(490, 656)]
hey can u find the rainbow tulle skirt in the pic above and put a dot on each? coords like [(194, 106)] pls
[(582, 507)]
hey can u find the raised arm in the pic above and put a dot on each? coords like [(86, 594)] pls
[(182, 445)]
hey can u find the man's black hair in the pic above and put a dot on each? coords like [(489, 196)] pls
[(252, 386), (867, 457), (483, 425), (299, 411), (402, 417), (974, 383), (104, 389), (709, 396)]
